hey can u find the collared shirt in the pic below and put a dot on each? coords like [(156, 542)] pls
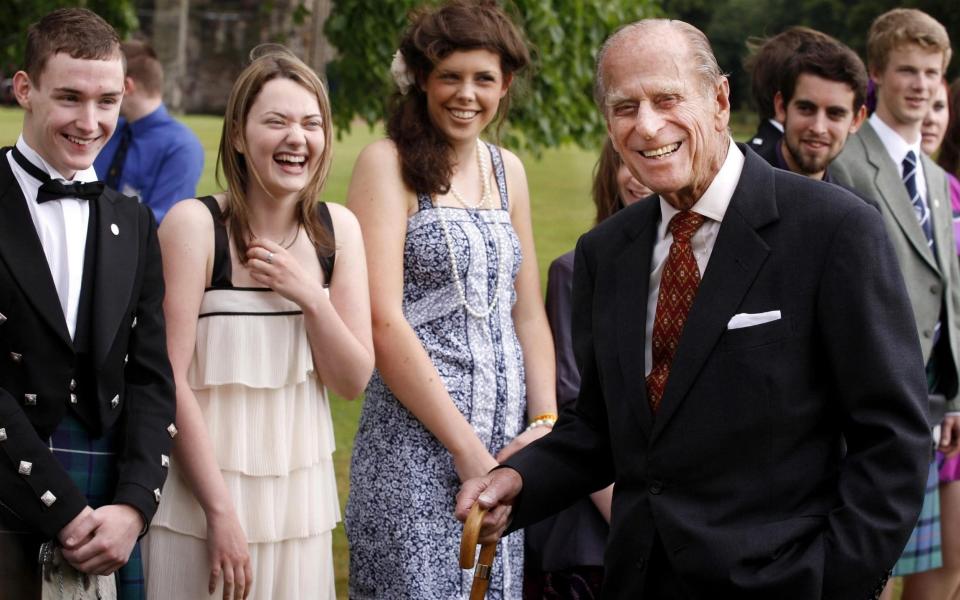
[(776, 124), (897, 148), (163, 163), (712, 205), (62, 229)]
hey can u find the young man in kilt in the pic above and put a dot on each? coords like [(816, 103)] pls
[(86, 393)]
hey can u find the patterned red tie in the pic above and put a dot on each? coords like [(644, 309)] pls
[(678, 287)]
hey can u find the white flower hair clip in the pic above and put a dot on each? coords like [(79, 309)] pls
[(401, 73)]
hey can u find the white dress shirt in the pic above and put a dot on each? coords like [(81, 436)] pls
[(897, 148), (62, 228), (712, 205)]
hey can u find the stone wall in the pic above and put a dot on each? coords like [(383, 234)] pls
[(204, 44)]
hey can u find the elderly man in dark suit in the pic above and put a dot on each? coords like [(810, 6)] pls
[(86, 392), (751, 379)]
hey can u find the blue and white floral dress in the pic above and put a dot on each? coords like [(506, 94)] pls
[(404, 539)]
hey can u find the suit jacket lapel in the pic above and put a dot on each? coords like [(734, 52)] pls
[(893, 193), (736, 259), (118, 239), (633, 284), (23, 254), (941, 211)]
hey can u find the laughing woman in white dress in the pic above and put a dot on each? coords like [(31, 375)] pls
[(267, 307)]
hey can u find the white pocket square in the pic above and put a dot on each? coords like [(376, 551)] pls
[(739, 321)]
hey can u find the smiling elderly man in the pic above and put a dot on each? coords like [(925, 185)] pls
[(752, 381)]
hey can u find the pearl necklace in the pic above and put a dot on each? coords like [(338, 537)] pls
[(485, 195), (479, 313)]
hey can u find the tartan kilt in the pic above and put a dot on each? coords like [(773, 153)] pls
[(923, 551), (92, 465)]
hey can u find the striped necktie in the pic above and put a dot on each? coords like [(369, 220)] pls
[(919, 206), (922, 210)]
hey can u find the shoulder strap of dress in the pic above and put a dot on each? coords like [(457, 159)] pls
[(327, 262), (221, 245), (424, 201), (500, 174)]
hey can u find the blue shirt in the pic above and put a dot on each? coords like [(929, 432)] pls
[(163, 163)]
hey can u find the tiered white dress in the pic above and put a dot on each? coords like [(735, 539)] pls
[(268, 419)]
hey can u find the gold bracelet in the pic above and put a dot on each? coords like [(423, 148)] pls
[(549, 416)]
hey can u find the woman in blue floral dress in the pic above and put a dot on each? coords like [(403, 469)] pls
[(463, 349)]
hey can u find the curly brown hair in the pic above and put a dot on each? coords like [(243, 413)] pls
[(435, 33)]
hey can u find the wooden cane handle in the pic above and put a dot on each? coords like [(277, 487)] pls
[(468, 551)]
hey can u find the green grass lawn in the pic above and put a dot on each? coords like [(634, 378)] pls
[(559, 192)]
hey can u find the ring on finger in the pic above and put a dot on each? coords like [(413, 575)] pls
[(269, 258)]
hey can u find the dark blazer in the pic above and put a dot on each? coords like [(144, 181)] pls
[(128, 386), (743, 474), (576, 536), (766, 137), (933, 282)]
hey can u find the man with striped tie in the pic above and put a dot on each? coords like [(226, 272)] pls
[(907, 54)]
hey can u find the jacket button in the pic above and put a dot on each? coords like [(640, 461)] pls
[(30, 399), (641, 563), (3, 319), (934, 289), (73, 384), (656, 487), (115, 401), (73, 398), (927, 333), (16, 357)]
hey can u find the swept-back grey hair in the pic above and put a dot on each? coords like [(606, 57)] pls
[(701, 54)]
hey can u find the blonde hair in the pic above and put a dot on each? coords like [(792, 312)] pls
[(901, 26), (269, 62)]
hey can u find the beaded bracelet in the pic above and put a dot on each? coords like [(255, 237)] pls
[(544, 421)]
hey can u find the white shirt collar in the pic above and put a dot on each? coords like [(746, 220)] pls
[(776, 124), (896, 146), (715, 200), (84, 176)]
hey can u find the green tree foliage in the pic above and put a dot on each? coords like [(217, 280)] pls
[(17, 15), (730, 23), (553, 107)]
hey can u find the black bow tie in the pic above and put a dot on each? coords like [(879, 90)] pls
[(53, 189)]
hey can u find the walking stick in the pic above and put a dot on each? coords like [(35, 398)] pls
[(468, 550)]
